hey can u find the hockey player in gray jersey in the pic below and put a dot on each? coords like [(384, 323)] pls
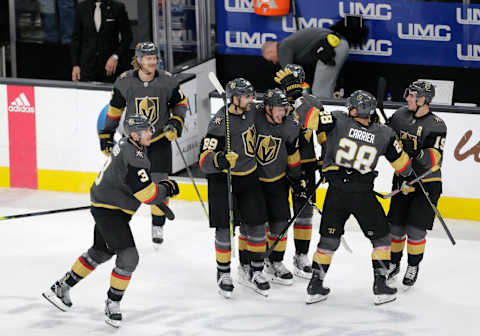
[(278, 160), (155, 94), (292, 81), (121, 186), (354, 145), (247, 194), (423, 136)]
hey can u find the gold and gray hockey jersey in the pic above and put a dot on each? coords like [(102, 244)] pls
[(242, 141), (160, 100), (423, 139), (277, 150), (355, 147), (124, 181)]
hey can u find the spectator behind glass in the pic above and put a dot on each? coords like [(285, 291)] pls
[(57, 17), (101, 36)]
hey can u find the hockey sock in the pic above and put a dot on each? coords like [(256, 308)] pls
[(415, 249), (257, 246), (398, 243), (222, 249), (82, 267), (242, 249), (302, 233), (279, 250), (118, 283), (381, 260), (321, 261)]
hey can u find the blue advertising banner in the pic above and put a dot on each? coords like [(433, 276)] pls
[(401, 31)]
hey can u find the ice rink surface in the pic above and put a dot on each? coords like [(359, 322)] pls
[(173, 291)]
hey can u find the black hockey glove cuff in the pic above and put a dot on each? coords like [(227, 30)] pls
[(106, 141), (299, 186), (171, 186)]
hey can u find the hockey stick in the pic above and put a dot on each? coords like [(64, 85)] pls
[(381, 88), (434, 208), (285, 229), (295, 14), (190, 175), (411, 183), (342, 239), (216, 84), (46, 212)]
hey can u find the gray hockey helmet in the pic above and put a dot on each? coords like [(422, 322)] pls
[(422, 89), (363, 101)]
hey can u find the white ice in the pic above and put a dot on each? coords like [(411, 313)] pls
[(173, 291)]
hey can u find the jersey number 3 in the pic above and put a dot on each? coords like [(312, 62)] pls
[(350, 155)]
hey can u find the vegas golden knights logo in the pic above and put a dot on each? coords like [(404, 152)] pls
[(148, 106), (267, 149), (249, 139)]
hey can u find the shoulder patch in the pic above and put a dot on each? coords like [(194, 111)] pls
[(123, 75)]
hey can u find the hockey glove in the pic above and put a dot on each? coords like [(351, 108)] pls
[(405, 186), (325, 49), (170, 132), (224, 161), (106, 141), (171, 186), (299, 186), (289, 82)]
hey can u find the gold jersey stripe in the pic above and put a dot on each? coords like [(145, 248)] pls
[(114, 112), (294, 159), (113, 207), (156, 211), (245, 172), (308, 160), (273, 179), (400, 163), (203, 156), (329, 168), (104, 136), (147, 193), (321, 137), (436, 155), (158, 137), (432, 179)]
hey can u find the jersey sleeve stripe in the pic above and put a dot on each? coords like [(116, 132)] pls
[(435, 156), (114, 112), (183, 102), (147, 194), (294, 159), (203, 156), (322, 137), (402, 163)]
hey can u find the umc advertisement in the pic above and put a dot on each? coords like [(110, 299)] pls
[(442, 34)]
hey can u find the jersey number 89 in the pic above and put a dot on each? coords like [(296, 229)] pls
[(209, 144), (350, 155)]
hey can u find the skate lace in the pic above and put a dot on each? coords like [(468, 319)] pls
[(302, 261), (411, 272), (113, 307), (225, 278), (157, 231), (258, 277)]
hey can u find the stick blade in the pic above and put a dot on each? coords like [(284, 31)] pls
[(215, 82)]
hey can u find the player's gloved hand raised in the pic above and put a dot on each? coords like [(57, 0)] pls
[(106, 141), (290, 82), (170, 132), (225, 160), (171, 186), (299, 186)]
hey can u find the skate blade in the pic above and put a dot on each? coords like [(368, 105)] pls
[(113, 323), (225, 294), (302, 274), (54, 300), (390, 282), (382, 299), (283, 282), (262, 292), (250, 285), (406, 288), (315, 298)]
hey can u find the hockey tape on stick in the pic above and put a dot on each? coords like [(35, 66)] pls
[(216, 84)]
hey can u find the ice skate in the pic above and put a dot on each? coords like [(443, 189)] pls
[(225, 284), (410, 276), (383, 293), (113, 315), (277, 273), (59, 295), (393, 271), (302, 267), (315, 290), (157, 235)]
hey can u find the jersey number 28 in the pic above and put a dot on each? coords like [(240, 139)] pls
[(350, 155)]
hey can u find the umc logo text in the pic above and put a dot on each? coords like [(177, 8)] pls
[(472, 17), (430, 32), (374, 48), (472, 54), (242, 6), (372, 11), (288, 24), (237, 39)]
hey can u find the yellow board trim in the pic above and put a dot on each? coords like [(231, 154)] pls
[(70, 181), (4, 177)]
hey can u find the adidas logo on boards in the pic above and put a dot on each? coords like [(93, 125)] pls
[(21, 104)]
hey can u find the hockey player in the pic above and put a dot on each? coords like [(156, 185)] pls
[(354, 145), (247, 193), (119, 189), (156, 95), (278, 157), (423, 136), (292, 81)]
